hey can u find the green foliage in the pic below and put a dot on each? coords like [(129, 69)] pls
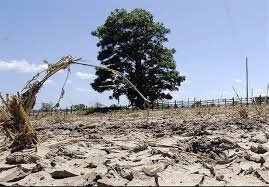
[(133, 44), (45, 107), (113, 106), (79, 107), (98, 105), (89, 110)]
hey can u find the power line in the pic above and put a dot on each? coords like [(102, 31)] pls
[(236, 40), (233, 29)]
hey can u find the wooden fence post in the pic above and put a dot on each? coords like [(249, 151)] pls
[(175, 104), (233, 101), (194, 102), (182, 104), (260, 99), (225, 101), (188, 102)]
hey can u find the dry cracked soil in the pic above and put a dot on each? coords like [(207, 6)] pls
[(194, 147)]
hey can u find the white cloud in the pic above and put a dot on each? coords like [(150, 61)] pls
[(259, 91), (50, 82), (238, 80), (21, 66), (85, 75), (83, 89)]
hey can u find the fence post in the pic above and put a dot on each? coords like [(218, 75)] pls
[(182, 104), (260, 99), (175, 104), (157, 104), (241, 100), (188, 102), (233, 101), (206, 103), (225, 101), (71, 109), (194, 102)]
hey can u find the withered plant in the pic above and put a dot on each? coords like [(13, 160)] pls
[(14, 115)]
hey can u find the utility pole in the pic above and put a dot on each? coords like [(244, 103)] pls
[(247, 78)]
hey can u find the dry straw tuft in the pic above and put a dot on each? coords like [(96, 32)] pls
[(14, 115)]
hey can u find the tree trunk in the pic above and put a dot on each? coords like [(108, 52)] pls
[(139, 83)]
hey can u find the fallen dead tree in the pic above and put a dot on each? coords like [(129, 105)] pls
[(14, 114)]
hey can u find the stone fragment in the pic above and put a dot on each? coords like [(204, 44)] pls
[(61, 174), (41, 150), (21, 158), (259, 150), (12, 175)]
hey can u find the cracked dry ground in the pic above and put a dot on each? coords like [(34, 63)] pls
[(170, 147)]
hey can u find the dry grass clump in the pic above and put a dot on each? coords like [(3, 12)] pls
[(15, 122), (15, 112), (261, 110), (59, 119), (242, 111), (14, 116)]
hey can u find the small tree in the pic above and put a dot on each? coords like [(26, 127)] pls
[(45, 107), (133, 44), (79, 107), (98, 105)]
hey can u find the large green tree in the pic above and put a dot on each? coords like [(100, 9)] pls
[(133, 43)]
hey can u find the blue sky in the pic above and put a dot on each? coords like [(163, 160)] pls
[(31, 31)]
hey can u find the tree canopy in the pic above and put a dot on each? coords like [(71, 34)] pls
[(46, 106), (133, 44)]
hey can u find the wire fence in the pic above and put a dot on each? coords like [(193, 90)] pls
[(159, 105)]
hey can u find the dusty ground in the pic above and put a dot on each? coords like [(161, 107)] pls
[(172, 147)]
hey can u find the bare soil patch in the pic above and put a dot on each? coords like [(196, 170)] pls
[(171, 147)]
